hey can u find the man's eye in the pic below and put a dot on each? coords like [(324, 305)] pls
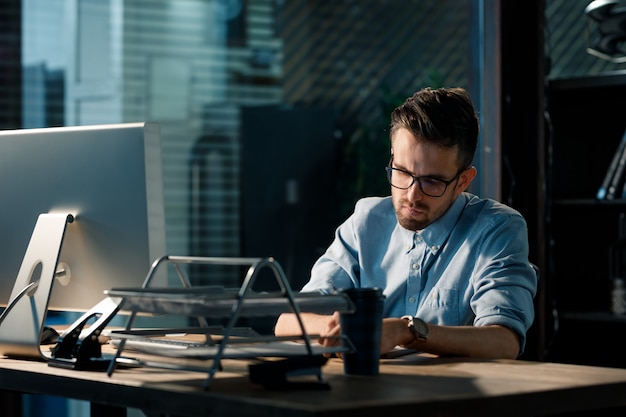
[(429, 181)]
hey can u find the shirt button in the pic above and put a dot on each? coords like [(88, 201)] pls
[(419, 238), (411, 299), (415, 266), (434, 248)]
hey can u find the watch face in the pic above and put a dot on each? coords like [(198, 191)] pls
[(420, 327)]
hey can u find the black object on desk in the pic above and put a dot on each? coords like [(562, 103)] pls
[(276, 375), (80, 348)]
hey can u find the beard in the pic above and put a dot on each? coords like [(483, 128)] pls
[(411, 223)]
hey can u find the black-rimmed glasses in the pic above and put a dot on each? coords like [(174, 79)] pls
[(432, 187)]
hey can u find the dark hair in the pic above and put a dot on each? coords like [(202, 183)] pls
[(445, 116)]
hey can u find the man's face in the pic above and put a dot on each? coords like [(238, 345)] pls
[(414, 209)]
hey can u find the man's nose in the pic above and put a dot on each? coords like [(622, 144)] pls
[(414, 193)]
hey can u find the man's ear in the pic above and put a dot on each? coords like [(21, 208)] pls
[(465, 179)]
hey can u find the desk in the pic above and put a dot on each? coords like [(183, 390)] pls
[(413, 385)]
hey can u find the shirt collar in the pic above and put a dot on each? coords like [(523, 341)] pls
[(436, 234)]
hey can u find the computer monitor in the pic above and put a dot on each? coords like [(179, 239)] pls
[(110, 178)]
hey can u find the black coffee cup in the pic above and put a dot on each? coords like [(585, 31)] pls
[(363, 328)]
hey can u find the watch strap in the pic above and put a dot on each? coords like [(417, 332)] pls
[(418, 328)]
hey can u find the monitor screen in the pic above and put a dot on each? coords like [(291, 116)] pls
[(110, 178)]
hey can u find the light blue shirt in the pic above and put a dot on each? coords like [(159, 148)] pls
[(470, 267)]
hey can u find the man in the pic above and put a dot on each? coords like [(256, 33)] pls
[(453, 267)]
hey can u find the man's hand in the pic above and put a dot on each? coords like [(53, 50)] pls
[(331, 336), (395, 332)]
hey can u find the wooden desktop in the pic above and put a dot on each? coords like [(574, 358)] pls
[(410, 385)]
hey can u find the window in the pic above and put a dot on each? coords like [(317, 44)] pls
[(204, 68)]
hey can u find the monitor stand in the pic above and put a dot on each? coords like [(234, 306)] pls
[(23, 320)]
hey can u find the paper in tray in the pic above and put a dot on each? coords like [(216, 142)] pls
[(242, 350), (220, 302)]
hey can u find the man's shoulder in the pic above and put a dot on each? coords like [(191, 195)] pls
[(489, 208), (374, 209), (374, 205)]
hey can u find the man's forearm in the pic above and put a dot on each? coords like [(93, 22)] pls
[(494, 342), (314, 324)]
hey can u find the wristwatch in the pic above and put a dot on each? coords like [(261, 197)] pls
[(418, 328)]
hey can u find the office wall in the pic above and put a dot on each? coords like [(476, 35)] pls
[(289, 193)]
